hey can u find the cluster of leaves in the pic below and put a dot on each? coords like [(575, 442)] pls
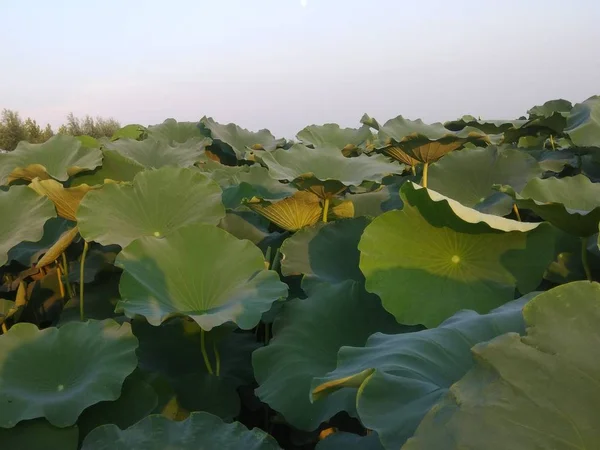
[(405, 285)]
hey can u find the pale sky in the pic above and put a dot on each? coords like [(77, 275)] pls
[(285, 64)]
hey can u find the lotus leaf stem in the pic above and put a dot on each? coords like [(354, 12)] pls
[(425, 172), (552, 142), (4, 329), (325, 209), (61, 285), (517, 213), (204, 353), (584, 259), (414, 170), (81, 280), (65, 270), (217, 359)]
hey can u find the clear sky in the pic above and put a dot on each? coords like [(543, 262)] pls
[(284, 64)]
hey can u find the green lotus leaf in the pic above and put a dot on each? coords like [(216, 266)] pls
[(555, 160), (24, 214), (60, 157), (237, 140), (156, 204), (39, 435), (168, 277), (246, 224), (99, 260), (172, 131), (82, 364), (28, 253), (327, 163), (468, 176), (550, 107), (487, 126), (307, 336), (426, 262), (571, 203), (583, 123), (245, 182), (199, 430), (154, 154), (174, 351), (137, 400), (331, 134), (427, 142), (325, 252), (115, 167), (133, 131), (349, 441), (370, 121), (536, 391), (399, 378)]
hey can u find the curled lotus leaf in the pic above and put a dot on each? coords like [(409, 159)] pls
[(370, 121), (534, 391), (332, 134), (60, 157), (167, 277), (172, 131), (24, 213), (66, 200), (154, 154), (398, 378), (83, 363), (583, 123), (571, 203), (59, 247), (115, 168), (427, 142), (327, 163), (155, 204), (550, 108), (132, 131), (436, 257), (483, 167), (199, 430), (239, 141), (293, 213)]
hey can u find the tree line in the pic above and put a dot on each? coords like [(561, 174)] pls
[(13, 129)]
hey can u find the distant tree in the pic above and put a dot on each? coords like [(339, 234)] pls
[(98, 127), (12, 130)]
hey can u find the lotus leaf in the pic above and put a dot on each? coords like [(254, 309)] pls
[(154, 154), (59, 247), (331, 134), (426, 262), (60, 157), (156, 204), (536, 391), (133, 131), (28, 253), (115, 168), (327, 164), (325, 252), (167, 277), (24, 214), (468, 176), (307, 336), (237, 140), (583, 123), (242, 183), (83, 363), (400, 377), (487, 126), (172, 131), (551, 107), (39, 435), (426, 143), (66, 200), (571, 204), (301, 210), (199, 430)]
